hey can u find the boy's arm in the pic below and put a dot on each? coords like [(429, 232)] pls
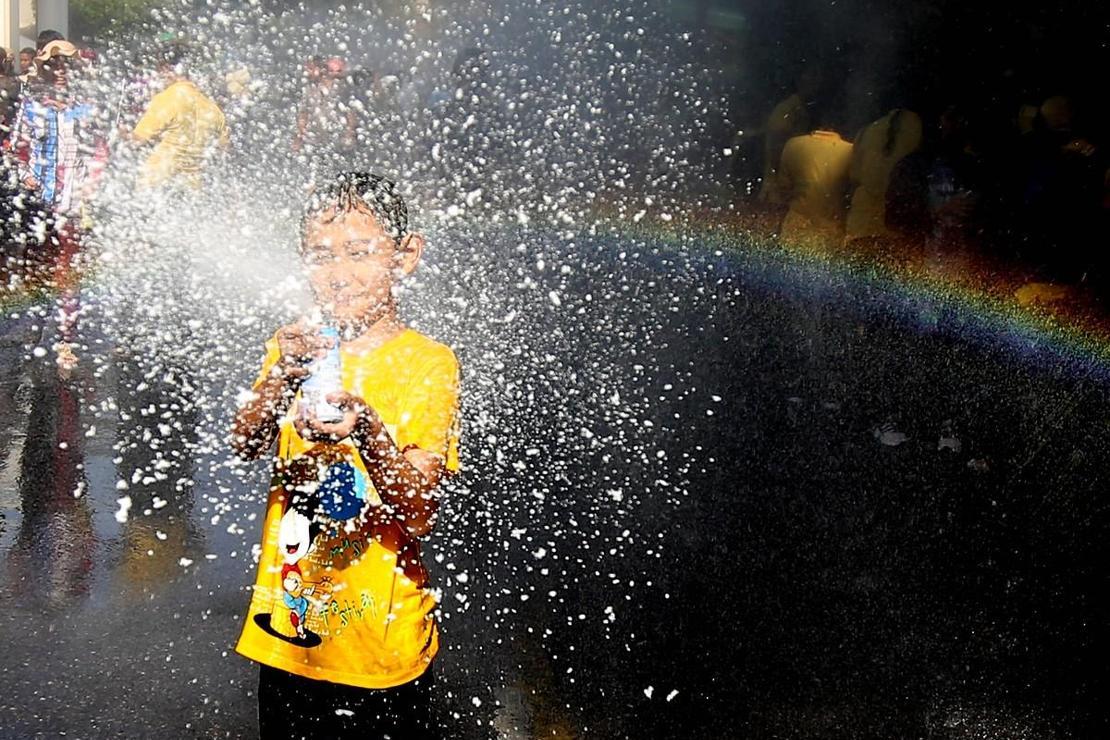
[(21, 143), (157, 117), (405, 480), (256, 422)]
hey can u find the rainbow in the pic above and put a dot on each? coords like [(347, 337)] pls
[(22, 296), (979, 302)]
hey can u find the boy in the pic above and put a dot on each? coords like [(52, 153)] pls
[(354, 654), (26, 60), (60, 155), (54, 135)]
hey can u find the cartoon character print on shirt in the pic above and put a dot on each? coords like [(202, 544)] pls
[(321, 490), (296, 538)]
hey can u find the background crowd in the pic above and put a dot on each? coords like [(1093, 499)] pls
[(956, 179), (1017, 175), (171, 116)]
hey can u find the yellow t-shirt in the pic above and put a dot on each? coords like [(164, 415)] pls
[(344, 599), (814, 171), (872, 165), (187, 125)]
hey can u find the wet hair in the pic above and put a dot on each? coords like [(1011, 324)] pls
[(361, 191)]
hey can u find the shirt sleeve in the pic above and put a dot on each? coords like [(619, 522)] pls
[(429, 416), (157, 117), (273, 354)]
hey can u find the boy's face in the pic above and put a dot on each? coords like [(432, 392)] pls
[(353, 265), (25, 60), (58, 70)]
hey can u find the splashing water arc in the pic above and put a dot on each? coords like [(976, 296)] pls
[(712, 484)]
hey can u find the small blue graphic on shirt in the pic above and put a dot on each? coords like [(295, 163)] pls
[(343, 491)]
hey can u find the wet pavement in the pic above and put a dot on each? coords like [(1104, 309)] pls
[(703, 497)]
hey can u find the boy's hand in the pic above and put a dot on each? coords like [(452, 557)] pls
[(300, 344), (357, 417)]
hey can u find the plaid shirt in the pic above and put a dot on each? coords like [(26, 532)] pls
[(57, 150)]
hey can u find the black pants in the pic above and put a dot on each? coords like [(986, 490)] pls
[(296, 708)]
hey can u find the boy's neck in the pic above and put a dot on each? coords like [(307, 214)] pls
[(376, 334)]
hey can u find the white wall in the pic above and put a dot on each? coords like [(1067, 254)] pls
[(9, 25), (54, 14), (31, 16)]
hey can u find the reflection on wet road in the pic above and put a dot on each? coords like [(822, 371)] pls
[(805, 516)]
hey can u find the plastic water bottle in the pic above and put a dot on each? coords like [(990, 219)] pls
[(326, 378)]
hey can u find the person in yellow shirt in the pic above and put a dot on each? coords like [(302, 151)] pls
[(186, 127), (877, 150), (341, 617), (814, 174), (788, 119)]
